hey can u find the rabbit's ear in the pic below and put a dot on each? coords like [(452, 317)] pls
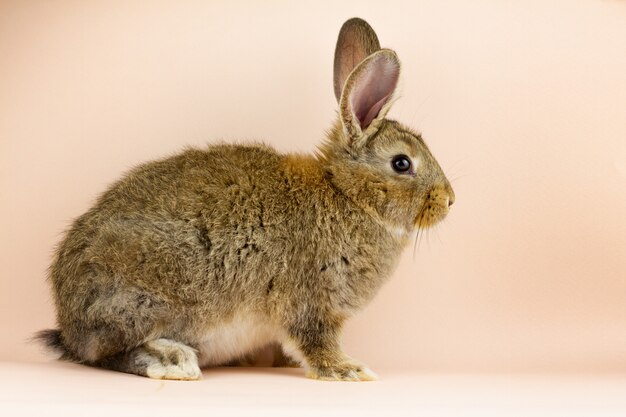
[(367, 94), (357, 40)]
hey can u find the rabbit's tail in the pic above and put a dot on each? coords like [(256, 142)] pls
[(51, 339)]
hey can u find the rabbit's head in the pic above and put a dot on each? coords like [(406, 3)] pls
[(382, 165)]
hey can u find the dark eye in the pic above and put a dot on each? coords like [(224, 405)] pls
[(401, 164)]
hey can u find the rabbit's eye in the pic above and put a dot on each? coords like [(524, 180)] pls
[(401, 164)]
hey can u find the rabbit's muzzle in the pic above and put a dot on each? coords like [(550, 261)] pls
[(436, 205)]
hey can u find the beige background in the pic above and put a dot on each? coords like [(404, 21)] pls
[(523, 104)]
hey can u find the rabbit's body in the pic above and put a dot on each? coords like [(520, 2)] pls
[(201, 258), (229, 257)]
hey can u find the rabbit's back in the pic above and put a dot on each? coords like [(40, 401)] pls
[(164, 223)]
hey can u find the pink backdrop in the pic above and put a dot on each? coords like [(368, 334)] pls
[(523, 103)]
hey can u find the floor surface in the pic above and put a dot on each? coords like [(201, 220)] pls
[(63, 389)]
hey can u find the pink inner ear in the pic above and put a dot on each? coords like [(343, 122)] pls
[(373, 88)]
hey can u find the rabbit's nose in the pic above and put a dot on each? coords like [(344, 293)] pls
[(450, 194), (450, 200)]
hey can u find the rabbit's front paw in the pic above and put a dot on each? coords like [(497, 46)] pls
[(347, 371)]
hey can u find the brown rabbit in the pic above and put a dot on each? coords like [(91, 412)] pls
[(201, 258)]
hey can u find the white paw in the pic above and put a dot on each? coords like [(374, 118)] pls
[(167, 359), (176, 372), (366, 374), (342, 372)]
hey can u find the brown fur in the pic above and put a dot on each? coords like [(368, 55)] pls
[(186, 246)]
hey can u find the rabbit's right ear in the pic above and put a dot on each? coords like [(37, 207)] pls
[(357, 40), (366, 78)]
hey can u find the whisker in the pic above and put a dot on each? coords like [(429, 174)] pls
[(455, 164), (420, 230), (437, 230), (415, 243), (455, 170), (458, 177), (419, 114), (421, 236)]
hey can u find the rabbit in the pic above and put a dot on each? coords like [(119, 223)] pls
[(201, 258)]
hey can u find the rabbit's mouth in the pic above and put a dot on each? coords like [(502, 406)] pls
[(435, 207)]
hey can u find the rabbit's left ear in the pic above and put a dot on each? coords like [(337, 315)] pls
[(367, 93)]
